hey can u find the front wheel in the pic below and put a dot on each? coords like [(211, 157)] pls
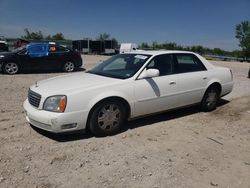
[(107, 118), (69, 67), (11, 68), (210, 99)]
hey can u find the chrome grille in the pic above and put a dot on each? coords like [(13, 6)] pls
[(34, 98)]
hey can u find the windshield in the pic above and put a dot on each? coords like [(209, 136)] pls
[(120, 66), (19, 49)]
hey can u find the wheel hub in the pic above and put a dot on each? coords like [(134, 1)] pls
[(11, 68), (211, 99), (109, 117)]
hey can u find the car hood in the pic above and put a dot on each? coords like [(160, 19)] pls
[(63, 85), (6, 54)]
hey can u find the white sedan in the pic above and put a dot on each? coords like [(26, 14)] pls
[(124, 87)]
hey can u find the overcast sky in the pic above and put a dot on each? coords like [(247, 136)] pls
[(210, 23)]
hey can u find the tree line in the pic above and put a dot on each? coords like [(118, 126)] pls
[(242, 33), (40, 36), (196, 48)]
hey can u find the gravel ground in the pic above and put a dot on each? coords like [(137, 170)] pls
[(185, 148)]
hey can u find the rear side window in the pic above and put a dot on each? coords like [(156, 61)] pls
[(188, 63), (54, 49)]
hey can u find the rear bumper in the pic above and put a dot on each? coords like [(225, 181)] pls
[(78, 63), (55, 122)]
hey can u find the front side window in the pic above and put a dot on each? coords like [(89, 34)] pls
[(120, 66), (38, 50), (188, 63), (164, 63)]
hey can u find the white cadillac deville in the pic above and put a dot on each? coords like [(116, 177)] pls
[(124, 87)]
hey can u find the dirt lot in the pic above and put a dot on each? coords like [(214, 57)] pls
[(186, 148)]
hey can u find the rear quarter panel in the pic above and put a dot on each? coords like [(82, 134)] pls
[(223, 76)]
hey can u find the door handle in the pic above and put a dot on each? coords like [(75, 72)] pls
[(172, 83), (204, 78)]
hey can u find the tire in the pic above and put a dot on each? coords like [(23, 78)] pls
[(69, 66), (10, 68), (107, 118), (210, 99)]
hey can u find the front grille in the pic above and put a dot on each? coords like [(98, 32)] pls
[(34, 98)]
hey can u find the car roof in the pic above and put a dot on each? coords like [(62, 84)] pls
[(158, 52)]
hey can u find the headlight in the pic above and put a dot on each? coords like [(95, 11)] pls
[(1, 56), (55, 103)]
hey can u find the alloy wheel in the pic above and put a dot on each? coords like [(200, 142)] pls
[(11, 68), (109, 117), (69, 67)]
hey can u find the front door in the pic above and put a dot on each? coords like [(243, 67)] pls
[(38, 56)]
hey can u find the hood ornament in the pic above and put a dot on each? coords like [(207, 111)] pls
[(36, 84)]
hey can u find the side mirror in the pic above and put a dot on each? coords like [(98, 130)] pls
[(150, 73)]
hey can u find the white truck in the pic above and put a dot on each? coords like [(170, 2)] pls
[(128, 47)]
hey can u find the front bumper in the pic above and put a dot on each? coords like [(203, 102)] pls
[(55, 122)]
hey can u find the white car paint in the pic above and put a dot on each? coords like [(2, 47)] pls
[(144, 96)]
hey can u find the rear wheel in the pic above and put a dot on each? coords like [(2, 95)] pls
[(11, 68), (210, 99), (69, 66), (107, 118)]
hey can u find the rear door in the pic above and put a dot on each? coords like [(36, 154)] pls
[(191, 78), (58, 55)]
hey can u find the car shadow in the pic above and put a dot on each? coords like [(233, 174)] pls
[(63, 137), (133, 124), (165, 116)]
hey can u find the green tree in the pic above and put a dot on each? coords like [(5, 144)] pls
[(32, 35), (58, 36), (155, 45), (103, 36), (144, 45), (242, 31), (48, 37), (115, 43)]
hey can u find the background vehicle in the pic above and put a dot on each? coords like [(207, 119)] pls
[(128, 47), (40, 56), (123, 87), (3, 45)]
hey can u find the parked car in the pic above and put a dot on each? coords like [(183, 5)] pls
[(126, 86), (40, 56)]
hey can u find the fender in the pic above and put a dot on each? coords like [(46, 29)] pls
[(105, 95)]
